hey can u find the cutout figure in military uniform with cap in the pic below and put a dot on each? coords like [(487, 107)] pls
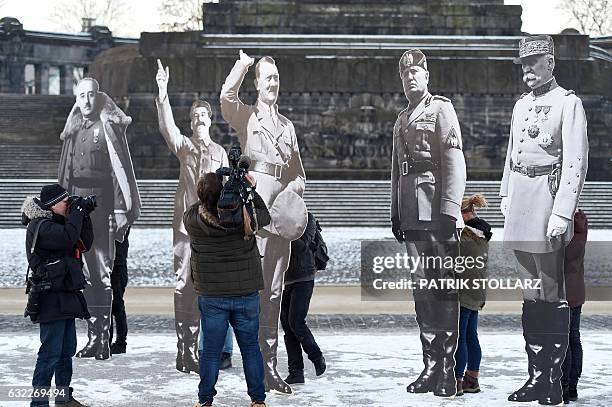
[(546, 162), (427, 184), (96, 160), (268, 139), (198, 155)]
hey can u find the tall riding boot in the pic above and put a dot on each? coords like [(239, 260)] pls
[(103, 322), (555, 343), (536, 317), (446, 383), (103, 348), (187, 327), (89, 350), (447, 334), (424, 383), (268, 343)]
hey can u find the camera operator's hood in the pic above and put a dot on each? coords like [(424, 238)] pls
[(30, 210)]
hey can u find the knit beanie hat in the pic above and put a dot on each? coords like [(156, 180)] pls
[(51, 194)]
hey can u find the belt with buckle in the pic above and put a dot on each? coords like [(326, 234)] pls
[(412, 167), (532, 171), (275, 170)]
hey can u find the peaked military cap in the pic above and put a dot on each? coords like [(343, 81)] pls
[(535, 45), (412, 57)]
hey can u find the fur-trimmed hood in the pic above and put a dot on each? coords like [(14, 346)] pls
[(110, 112), (30, 210)]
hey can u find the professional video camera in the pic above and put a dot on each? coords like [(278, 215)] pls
[(237, 194)]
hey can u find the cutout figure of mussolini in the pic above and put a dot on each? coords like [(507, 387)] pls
[(269, 139), (428, 179), (546, 162), (96, 161), (198, 155)]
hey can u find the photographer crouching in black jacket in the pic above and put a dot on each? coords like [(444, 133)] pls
[(227, 276), (59, 230)]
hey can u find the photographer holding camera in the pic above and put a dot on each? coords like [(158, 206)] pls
[(59, 230), (226, 272)]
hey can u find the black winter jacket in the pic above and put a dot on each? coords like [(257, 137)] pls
[(223, 263), (302, 262), (57, 238)]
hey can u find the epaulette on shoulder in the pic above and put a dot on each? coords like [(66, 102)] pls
[(523, 95), (569, 92), (442, 98), (402, 112)]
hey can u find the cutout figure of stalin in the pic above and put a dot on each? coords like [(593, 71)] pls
[(427, 184)]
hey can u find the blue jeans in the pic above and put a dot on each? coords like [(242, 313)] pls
[(243, 314), (58, 346), (468, 347), (228, 345)]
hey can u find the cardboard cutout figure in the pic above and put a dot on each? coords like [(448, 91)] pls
[(546, 161), (427, 184), (197, 155), (96, 160), (268, 139)]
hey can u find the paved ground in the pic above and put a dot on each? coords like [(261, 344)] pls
[(367, 367)]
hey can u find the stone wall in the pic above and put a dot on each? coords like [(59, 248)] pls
[(391, 17)]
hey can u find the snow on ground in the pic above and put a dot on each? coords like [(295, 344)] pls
[(363, 370), (150, 257)]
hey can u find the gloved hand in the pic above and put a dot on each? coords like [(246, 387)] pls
[(78, 205), (396, 228), (557, 225), (503, 206)]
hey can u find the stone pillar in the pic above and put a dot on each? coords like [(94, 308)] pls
[(66, 79), (43, 74)]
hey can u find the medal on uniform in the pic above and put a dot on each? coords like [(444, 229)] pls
[(533, 131), (545, 140), (538, 109), (96, 137), (545, 110)]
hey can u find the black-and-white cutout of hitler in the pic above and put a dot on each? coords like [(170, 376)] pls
[(389, 273)]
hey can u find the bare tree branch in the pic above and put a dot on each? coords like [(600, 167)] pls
[(115, 14), (593, 17), (182, 15)]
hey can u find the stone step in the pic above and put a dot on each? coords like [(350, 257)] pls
[(336, 203)]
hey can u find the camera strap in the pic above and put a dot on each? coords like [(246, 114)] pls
[(36, 230)]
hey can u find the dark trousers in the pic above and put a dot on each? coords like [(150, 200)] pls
[(468, 347), (294, 308), (572, 365), (58, 346), (119, 280)]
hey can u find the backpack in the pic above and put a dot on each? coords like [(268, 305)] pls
[(319, 249)]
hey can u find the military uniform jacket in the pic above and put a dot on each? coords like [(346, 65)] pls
[(262, 141), (114, 124), (547, 129), (195, 161), (431, 132)]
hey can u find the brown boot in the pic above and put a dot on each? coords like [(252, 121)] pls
[(459, 387), (470, 384)]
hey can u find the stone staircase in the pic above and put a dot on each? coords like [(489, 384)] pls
[(29, 161), (335, 203)]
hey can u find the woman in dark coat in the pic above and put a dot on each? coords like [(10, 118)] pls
[(227, 276), (299, 285)]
